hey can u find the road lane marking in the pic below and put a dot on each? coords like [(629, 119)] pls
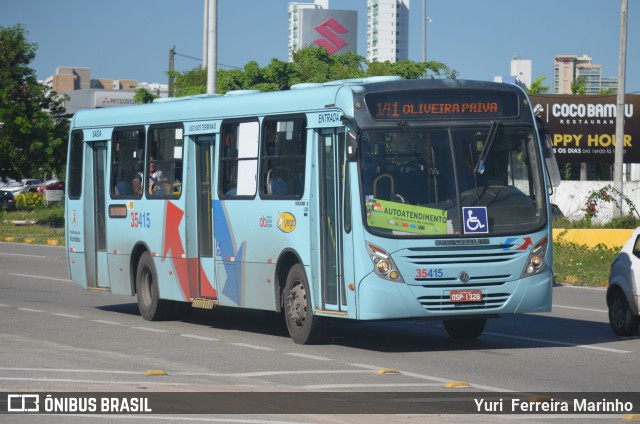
[(74, 380), (302, 355), (153, 330), (69, 370), (103, 321), (66, 315), (41, 277), (269, 373), (581, 309), (369, 367), (193, 336), (24, 255), (554, 342), (250, 346), (30, 310)]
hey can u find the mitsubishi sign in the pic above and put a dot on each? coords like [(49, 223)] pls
[(114, 98), (90, 98), (335, 30)]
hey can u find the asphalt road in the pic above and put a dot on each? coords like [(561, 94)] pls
[(56, 337)]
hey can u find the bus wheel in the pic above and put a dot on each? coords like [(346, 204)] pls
[(303, 326), (465, 328), (151, 307)]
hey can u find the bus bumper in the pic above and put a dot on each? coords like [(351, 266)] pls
[(382, 299)]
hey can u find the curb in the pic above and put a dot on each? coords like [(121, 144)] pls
[(611, 238)]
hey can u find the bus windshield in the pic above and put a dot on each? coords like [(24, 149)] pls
[(480, 180)]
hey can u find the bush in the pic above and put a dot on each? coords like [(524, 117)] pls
[(29, 201)]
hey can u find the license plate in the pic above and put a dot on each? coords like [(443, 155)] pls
[(461, 296)]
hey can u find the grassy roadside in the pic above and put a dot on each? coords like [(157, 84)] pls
[(580, 265), (573, 264), (38, 226)]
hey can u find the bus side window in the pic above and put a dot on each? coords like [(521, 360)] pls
[(165, 152), (239, 159), (74, 174), (126, 160), (283, 157)]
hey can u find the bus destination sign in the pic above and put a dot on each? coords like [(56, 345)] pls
[(440, 105)]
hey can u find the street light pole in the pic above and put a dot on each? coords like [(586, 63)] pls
[(205, 35), (424, 30), (212, 57), (622, 63)]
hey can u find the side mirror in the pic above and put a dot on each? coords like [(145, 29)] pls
[(352, 138), (352, 145)]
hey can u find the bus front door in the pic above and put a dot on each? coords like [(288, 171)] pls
[(332, 238), (96, 253)]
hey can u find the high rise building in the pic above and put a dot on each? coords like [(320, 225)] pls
[(521, 69), (568, 68), (387, 30)]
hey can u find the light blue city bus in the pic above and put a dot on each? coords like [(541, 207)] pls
[(368, 199)]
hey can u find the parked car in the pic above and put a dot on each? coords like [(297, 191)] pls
[(14, 187), (30, 181), (7, 200), (622, 294), (54, 184), (22, 186)]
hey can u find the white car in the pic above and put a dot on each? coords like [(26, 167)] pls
[(622, 294)]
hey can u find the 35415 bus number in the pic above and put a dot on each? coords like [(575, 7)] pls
[(140, 219), (424, 273)]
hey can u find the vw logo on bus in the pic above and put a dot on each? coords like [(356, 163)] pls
[(464, 277)]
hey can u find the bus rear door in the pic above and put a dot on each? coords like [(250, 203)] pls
[(200, 229)]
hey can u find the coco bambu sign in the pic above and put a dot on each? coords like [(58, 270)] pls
[(583, 128)]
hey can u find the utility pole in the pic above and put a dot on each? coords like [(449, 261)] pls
[(212, 57), (205, 35), (172, 53), (424, 30), (622, 64)]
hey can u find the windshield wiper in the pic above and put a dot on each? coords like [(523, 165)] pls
[(479, 168)]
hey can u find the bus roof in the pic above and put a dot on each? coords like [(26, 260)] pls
[(299, 99)]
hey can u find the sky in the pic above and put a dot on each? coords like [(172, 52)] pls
[(131, 39)]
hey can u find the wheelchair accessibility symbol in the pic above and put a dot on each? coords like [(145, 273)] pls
[(475, 220)]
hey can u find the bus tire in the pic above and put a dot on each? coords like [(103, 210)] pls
[(303, 326), (151, 307), (465, 328)]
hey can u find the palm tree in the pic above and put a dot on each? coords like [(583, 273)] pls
[(579, 85), (537, 87)]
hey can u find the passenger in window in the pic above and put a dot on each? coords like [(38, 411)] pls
[(155, 178), (136, 185), (123, 188)]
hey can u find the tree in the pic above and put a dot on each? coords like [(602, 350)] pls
[(537, 87), (407, 69), (144, 96), (579, 85), (190, 82), (34, 129), (310, 64)]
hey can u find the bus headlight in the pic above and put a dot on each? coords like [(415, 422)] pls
[(535, 263), (383, 265)]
